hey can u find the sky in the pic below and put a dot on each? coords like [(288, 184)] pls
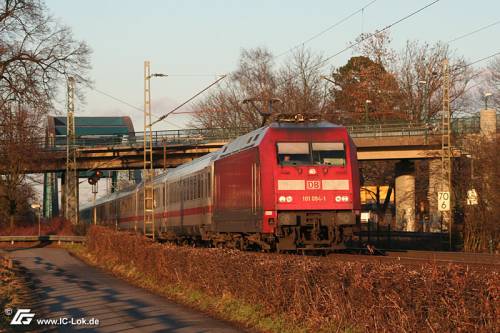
[(193, 41)]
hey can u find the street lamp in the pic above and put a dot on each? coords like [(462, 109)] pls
[(368, 101), (424, 99), (36, 206), (486, 95)]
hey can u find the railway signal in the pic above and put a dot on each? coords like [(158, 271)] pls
[(93, 180), (95, 177)]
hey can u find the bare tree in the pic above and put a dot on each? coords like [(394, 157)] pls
[(223, 108), (419, 72), (492, 82), (378, 48), (420, 75), (477, 175), (37, 54), (301, 87), (19, 152), (297, 84)]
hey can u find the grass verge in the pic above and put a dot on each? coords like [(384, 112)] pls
[(227, 307), (14, 292), (286, 293)]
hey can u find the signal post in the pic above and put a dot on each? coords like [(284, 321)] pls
[(94, 180)]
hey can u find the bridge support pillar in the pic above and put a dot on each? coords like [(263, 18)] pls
[(488, 123), (435, 180), (114, 181), (63, 195), (50, 195), (405, 196)]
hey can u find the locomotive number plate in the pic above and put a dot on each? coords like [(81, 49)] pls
[(313, 185), (313, 198)]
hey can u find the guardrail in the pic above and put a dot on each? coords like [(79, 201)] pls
[(44, 238), (379, 130), (208, 135)]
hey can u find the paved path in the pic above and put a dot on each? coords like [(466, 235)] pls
[(67, 287)]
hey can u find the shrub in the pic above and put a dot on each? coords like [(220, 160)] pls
[(319, 293)]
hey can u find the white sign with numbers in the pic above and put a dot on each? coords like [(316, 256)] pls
[(444, 201)]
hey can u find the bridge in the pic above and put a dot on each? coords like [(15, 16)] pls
[(124, 151)]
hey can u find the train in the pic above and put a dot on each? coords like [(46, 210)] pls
[(289, 186)]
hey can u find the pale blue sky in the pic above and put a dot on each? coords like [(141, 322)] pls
[(206, 37)]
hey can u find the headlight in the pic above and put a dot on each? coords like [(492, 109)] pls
[(282, 199), (312, 171), (289, 199)]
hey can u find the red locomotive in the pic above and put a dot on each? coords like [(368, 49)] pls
[(289, 186)]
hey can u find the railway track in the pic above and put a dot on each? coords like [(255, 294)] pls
[(474, 260), (448, 257)]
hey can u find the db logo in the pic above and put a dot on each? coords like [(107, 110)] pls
[(313, 185), (341, 198)]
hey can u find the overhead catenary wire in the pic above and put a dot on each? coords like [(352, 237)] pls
[(473, 32), (371, 35), (478, 61), (125, 103), (361, 10), (364, 38), (304, 42), (188, 100), (322, 63)]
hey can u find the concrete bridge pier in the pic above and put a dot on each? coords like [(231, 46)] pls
[(405, 196), (488, 123)]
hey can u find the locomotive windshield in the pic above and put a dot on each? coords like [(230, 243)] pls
[(294, 153), (328, 153), (315, 153)]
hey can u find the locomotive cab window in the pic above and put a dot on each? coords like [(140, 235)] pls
[(328, 153), (294, 153)]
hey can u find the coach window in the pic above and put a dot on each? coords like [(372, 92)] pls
[(185, 189), (294, 153), (207, 185), (198, 185), (202, 185), (165, 194), (193, 189), (328, 153), (176, 192)]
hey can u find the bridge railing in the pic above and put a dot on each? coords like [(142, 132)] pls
[(207, 135), (397, 129)]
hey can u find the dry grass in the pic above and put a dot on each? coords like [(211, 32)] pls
[(13, 292), (312, 294), (55, 226)]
